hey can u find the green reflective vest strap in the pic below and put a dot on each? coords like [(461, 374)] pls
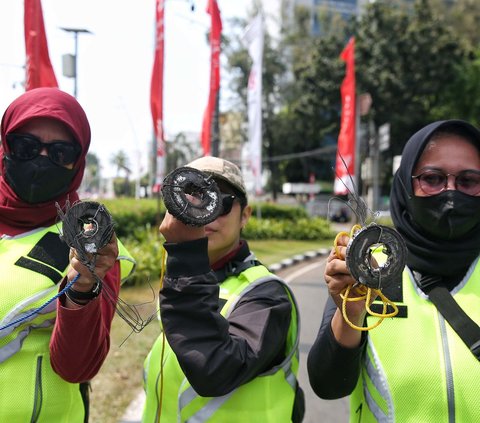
[(127, 263), (397, 370), (268, 398)]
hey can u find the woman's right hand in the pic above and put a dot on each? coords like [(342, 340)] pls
[(338, 278), (173, 230)]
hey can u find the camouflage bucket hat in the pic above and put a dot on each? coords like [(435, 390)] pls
[(221, 169)]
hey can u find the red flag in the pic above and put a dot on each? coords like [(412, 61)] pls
[(156, 93), (346, 139), (215, 36), (39, 70)]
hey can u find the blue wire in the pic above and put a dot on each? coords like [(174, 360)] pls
[(37, 310)]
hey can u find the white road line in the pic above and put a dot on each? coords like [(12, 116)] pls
[(303, 270)]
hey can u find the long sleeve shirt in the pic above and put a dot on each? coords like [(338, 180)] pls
[(81, 337), (333, 370), (217, 354)]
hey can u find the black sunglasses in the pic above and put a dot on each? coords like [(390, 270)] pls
[(227, 203), (27, 147)]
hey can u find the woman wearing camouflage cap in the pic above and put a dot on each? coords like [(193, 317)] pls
[(231, 326)]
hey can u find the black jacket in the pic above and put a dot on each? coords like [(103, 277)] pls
[(333, 370), (218, 355)]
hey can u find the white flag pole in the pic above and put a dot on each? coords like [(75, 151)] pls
[(254, 38)]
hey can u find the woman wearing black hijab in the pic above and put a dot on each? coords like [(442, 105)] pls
[(422, 365)]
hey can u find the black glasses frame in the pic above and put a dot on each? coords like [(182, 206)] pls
[(430, 189), (28, 146)]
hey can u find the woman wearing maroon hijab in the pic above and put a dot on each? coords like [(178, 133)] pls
[(47, 358)]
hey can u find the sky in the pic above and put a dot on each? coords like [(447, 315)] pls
[(115, 63)]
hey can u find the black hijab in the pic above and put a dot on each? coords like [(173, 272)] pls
[(441, 258)]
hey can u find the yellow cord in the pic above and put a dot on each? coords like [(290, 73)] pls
[(163, 261), (363, 292)]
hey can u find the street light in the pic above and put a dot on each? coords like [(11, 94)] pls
[(69, 61)]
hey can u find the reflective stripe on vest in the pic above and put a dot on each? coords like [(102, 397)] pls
[(7, 350), (29, 281), (417, 368), (214, 403)]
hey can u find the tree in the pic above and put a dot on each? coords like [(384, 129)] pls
[(300, 99), (462, 98), (312, 99), (463, 17), (91, 177), (409, 58), (239, 64), (120, 160), (179, 152), (405, 61)]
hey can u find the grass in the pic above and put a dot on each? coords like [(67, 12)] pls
[(120, 378), (271, 251)]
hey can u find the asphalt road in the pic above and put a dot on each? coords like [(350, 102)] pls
[(306, 281)]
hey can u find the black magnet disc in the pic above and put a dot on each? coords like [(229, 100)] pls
[(191, 196), (87, 227), (359, 256)]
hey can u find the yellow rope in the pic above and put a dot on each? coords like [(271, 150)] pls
[(363, 292), (163, 261)]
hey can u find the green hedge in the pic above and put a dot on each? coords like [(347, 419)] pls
[(137, 221), (278, 211), (146, 245), (131, 215), (146, 248), (303, 229)]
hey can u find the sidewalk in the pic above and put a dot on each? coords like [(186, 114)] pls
[(133, 413)]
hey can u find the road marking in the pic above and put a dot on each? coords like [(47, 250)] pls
[(303, 270)]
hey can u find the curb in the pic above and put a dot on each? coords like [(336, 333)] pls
[(133, 413), (298, 259)]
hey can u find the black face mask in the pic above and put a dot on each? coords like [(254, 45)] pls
[(448, 215), (37, 180)]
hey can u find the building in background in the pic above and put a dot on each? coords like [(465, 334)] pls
[(321, 9)]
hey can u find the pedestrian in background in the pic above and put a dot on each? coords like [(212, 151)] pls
[(422, 365)]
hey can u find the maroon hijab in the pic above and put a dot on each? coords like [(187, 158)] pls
[(17, 216)]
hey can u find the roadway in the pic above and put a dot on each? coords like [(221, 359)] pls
[(307, 283)]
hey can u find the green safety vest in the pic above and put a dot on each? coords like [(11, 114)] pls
[(268, 398), (416, 368), (33, 264)]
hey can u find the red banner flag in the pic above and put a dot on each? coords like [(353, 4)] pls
[(39, 70), (345, 162), (156, 93), (215, 36)]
